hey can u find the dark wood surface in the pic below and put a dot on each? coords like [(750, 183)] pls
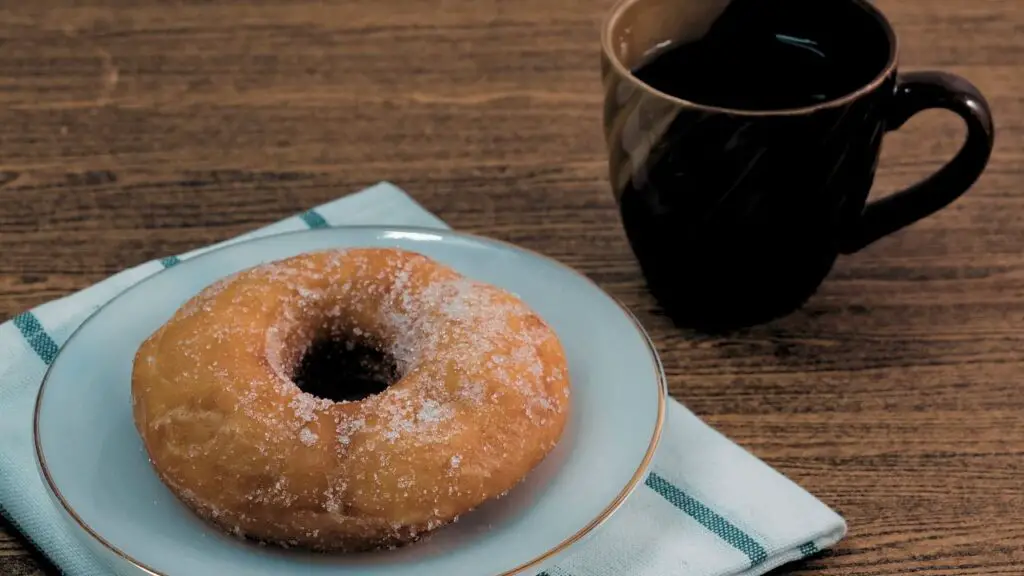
[(134, 130)]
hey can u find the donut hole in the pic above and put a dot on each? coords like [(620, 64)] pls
[(345, 370)]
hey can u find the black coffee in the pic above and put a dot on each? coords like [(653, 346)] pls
[(736, 218), (762, 55)]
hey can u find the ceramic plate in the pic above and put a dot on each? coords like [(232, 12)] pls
[(94, 464)]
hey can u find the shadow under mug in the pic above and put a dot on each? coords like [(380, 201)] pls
[(736, 216)]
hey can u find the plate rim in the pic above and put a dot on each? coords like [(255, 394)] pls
[(561, 547)]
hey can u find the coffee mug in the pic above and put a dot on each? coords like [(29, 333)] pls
[(743, 138)]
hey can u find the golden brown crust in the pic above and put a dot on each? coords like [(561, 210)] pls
[(483, 398)]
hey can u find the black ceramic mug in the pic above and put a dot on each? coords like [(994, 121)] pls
[(743, 138)]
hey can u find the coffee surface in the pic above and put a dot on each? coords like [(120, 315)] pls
[(771, 56)]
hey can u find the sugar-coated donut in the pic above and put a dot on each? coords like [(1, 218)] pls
[(482, 397)]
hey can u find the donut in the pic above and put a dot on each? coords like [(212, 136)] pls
[(476, 395)]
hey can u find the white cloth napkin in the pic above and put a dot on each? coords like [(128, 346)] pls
[(708, 508)]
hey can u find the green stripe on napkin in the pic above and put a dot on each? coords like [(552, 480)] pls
[(169, 261), (313, 219), (808, 549), (36, 337), (709, 519)]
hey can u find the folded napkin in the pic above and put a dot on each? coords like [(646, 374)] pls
[(707, 508)]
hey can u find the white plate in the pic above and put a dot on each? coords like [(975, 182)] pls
[(93, 462)]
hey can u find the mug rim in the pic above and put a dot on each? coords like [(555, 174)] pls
[(611, 19)]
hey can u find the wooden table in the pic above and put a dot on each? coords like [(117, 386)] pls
[(134, 130)]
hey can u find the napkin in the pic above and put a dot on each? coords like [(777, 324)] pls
[(707, 508)]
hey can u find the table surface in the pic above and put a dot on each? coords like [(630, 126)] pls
[(134, 130)]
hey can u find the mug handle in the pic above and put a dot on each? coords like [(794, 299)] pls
[(916, 92)]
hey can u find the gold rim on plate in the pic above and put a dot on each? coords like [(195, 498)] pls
[(634, 481)]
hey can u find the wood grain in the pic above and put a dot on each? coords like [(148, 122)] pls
[(133, 130)]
